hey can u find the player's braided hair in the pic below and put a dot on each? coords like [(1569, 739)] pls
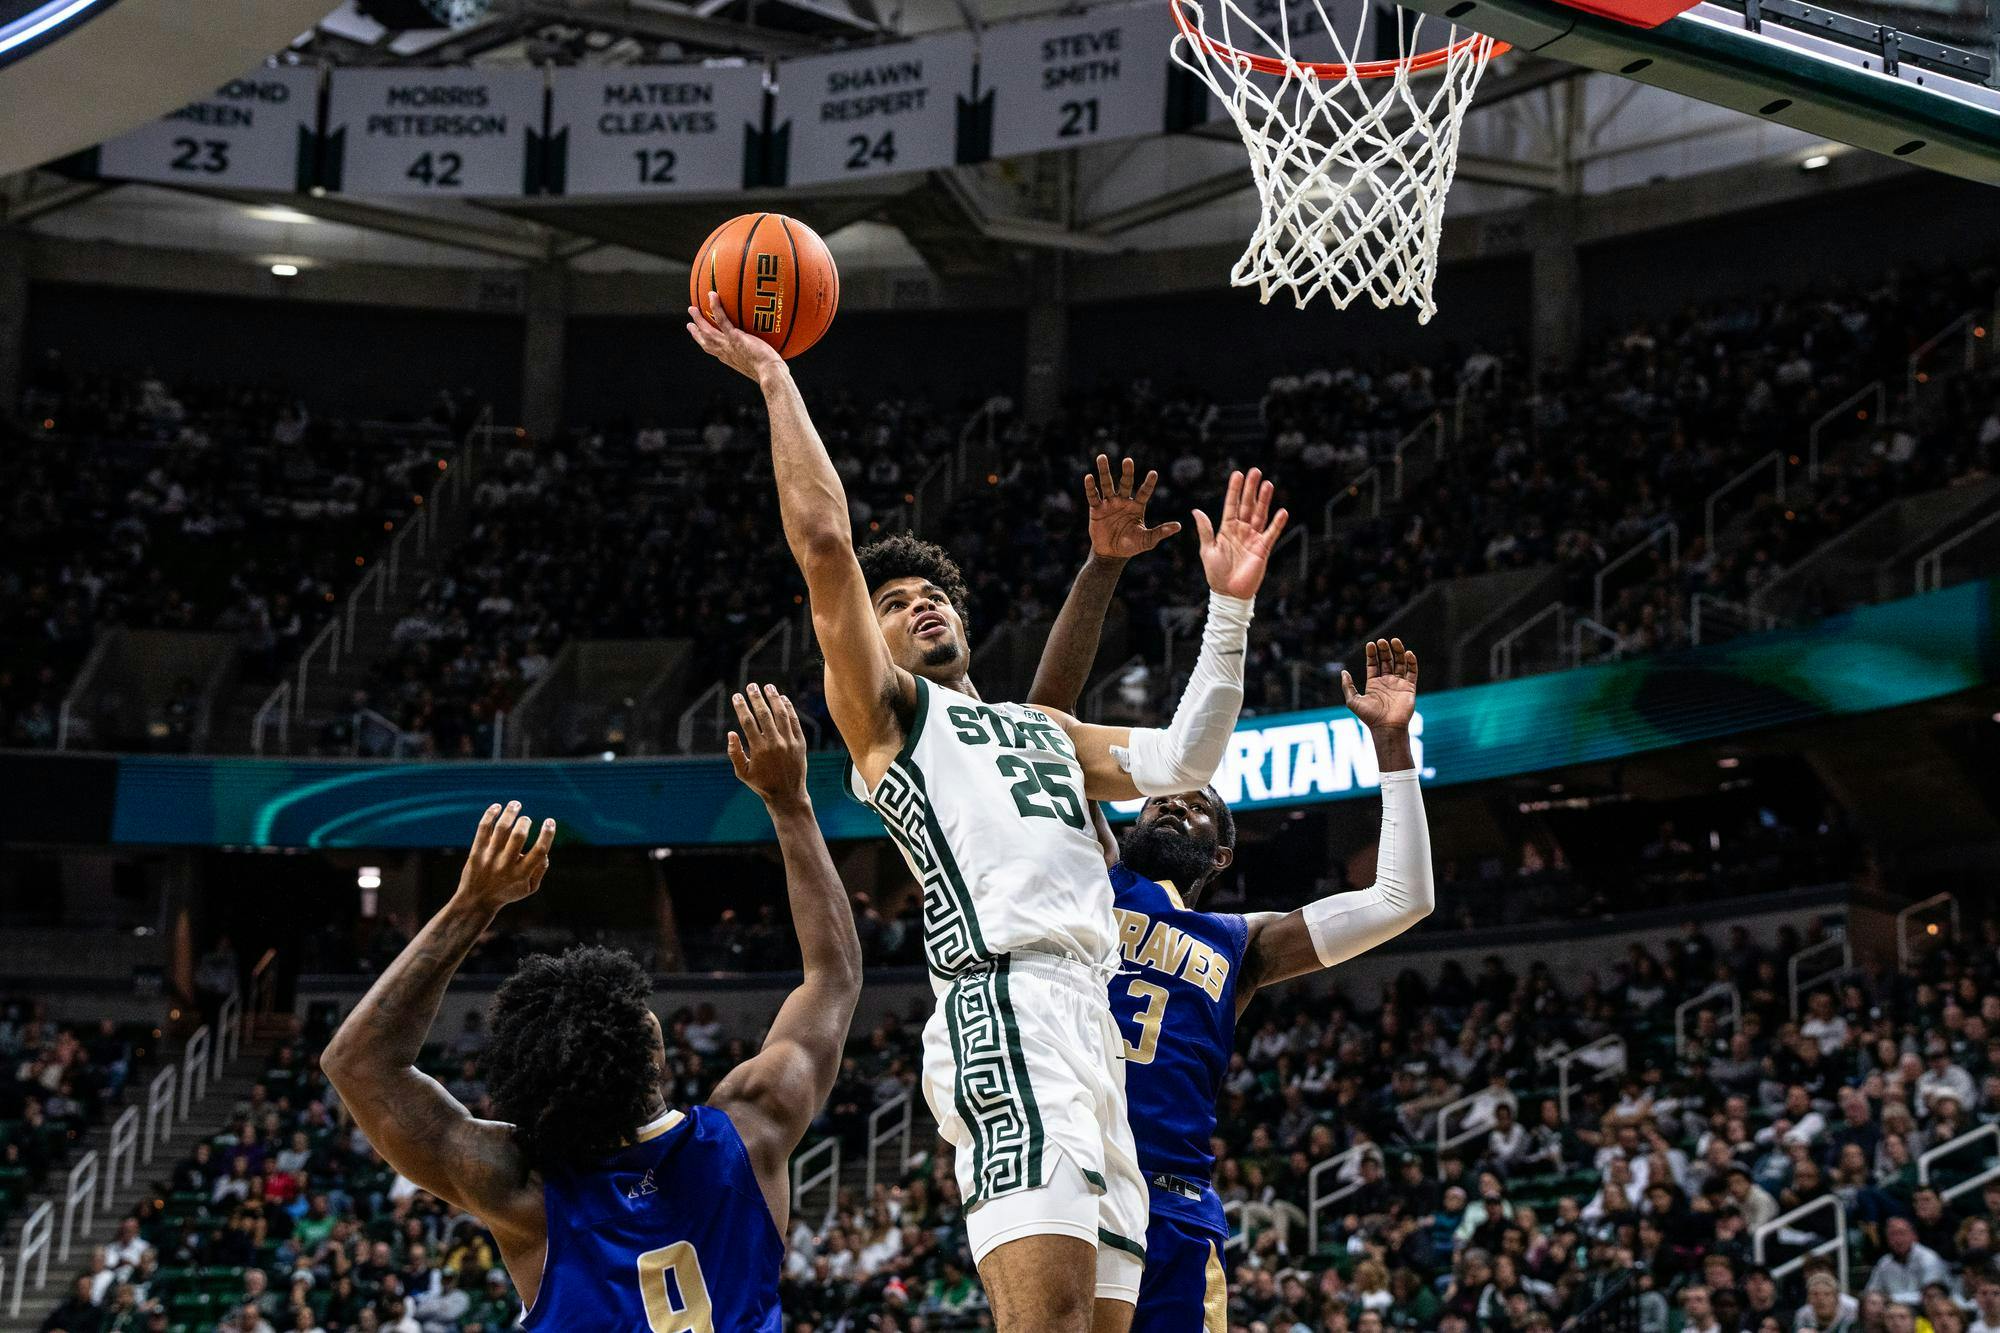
[(906, 557), (567, 1062)]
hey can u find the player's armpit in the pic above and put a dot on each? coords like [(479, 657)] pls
[(430, 1138), (867, 694), (1279, 948)]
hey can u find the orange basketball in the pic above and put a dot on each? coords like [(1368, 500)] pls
[(774, 276)]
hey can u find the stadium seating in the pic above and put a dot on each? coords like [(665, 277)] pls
[(182, 508), (235, 509), (1640, 1183)]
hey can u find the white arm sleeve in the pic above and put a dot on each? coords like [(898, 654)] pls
[(1185, 754), (1345, 925)]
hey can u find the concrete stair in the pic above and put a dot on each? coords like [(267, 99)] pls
[(333, 669), (205, 1115), (852, 1181)]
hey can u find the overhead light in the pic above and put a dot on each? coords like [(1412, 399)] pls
[(1815, 162), (608, 755), (368, 877), (284, 270), (41, 21), (1728, 761), (279, 213)]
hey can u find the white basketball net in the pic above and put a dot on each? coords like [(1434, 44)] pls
[(1352, 170)]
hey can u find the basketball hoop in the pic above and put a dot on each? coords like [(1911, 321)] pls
[(1352, 158)]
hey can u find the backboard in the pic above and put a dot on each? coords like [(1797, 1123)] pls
[(1911, 79)]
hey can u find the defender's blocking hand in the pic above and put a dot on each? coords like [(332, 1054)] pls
[(1235, 551), (1391, 698), (1118, 528), (502, 868), (769, 753)]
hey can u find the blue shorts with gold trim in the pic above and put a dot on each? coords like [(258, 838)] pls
[(1183, 1290)]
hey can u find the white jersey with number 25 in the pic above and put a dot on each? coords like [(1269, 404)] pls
[(986, 803)]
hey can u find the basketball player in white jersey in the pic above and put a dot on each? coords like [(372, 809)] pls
[(988, 804)]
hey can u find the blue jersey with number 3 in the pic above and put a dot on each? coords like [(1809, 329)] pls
[(1175, 1000), (670, 1234)]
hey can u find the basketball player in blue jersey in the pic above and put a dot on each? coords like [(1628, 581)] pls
[(612, 1209), (1188, 973)]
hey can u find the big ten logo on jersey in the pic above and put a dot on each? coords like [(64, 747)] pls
[(769, 307), (1165, 947), (1041, 788), (982, 724)]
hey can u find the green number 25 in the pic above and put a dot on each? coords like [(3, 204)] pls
[(1043, 779)]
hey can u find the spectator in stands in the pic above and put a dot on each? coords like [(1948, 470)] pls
[(1697, 1313), (128, 1249), (1943, 1078), (77, 1314), (103, 1275), (444, 1305), (1824, 1309), (1908, 1267)]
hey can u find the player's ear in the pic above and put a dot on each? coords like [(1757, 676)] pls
[(1224, 857)]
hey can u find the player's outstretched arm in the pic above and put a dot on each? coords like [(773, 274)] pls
[(1344, 925), (867, 693), (1120, 763), (1118, 531), (772, 1097), (418, 1127)]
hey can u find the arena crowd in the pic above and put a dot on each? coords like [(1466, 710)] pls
[(1649, 1194), (235, 508)]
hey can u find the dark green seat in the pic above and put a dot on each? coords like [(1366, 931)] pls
[(193, 1305)]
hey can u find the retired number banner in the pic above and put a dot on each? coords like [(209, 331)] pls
[(872, 112), (253, 133), (652, 130), (1083, 78), (436, 132)]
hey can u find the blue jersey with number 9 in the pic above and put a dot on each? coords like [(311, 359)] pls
[(1175, 1000), (669, 1234)]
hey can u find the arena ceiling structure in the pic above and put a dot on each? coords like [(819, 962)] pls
[(1547, 142)]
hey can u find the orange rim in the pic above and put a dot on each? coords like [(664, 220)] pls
[(1330, 69)]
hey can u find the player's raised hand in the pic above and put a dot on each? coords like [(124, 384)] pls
[(502, 867), (769, 753), (1118, 528), (715, 334), (1234, 552), (1390, 700)]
